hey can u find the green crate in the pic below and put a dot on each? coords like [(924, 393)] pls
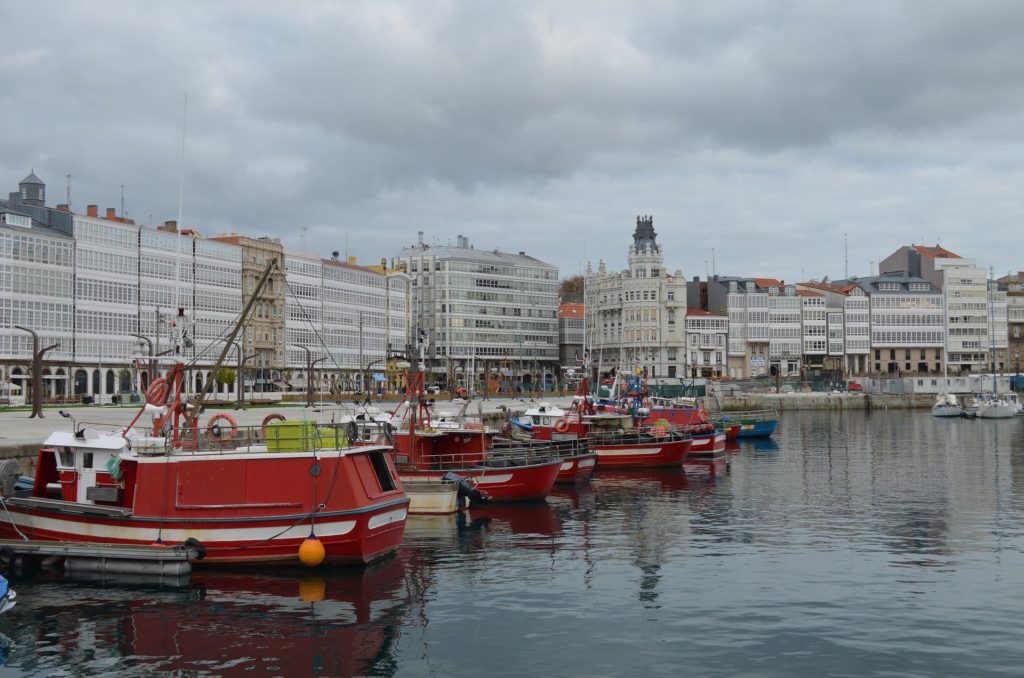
[(292, 436)]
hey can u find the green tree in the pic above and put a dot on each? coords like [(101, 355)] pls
[(226, 376)]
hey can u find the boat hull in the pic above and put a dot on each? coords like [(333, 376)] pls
[(652, 454), (947, 411), (708, 444), (999, 411), (358, 536), (757, 429), (577, 470), (502, 484)]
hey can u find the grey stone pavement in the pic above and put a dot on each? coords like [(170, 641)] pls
[(19, 434)]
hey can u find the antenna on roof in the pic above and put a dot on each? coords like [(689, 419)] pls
[(846, 257), (122, 201), (68, 199)]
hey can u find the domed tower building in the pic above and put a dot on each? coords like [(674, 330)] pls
[(636, 317)]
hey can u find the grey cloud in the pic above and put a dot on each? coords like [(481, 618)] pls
[(743, 126)]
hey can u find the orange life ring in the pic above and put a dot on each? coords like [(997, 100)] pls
[(269, 418), (158, 391), (562, 426), (214, 430)]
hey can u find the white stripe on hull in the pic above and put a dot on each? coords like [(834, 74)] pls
[(586, 463), (481, 479), (628, 451), (382, 519), (566, 465), (94, 531), (503, 478)]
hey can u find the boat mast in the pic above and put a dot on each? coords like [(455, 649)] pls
[(991, 334), (945, 343), (229, 343)]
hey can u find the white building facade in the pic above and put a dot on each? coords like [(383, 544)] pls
[(482, 317), (707, 336), (636, 318)]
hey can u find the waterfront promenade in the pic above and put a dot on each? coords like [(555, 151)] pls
[(20, 436)]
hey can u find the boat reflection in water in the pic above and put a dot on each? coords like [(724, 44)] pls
[(646, 480), (336, 622), (761, 445), (471, 529)]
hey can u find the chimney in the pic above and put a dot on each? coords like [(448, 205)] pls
[(171, 226), (352, 260), (522, 253), (111, 214), (420, 241), (63, 208), (92, 210)]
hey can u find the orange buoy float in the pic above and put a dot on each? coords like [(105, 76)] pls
[(215, 430), (311, 551)]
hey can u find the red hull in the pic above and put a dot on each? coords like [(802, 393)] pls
[(349, 539), (577, 470), (646, 454), (708, 444), (513, 483)]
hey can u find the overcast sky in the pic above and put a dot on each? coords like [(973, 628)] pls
[(756, 133)]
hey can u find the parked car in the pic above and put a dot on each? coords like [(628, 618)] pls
[(853, 386), (433, 390)]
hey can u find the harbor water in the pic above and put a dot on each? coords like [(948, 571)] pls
[(852, 543)]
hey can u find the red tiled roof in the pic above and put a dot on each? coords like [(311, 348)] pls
[(701, 311), (768, 282), (935, 252), (571, 311), (808, 293)]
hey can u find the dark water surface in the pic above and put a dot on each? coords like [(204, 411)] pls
[(853, 544)]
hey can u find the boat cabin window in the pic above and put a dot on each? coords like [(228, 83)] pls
[(380, 468), (67, 457), (87, 460)]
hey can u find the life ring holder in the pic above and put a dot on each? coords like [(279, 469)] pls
[(562, 425), (270, 418), (214, 429)]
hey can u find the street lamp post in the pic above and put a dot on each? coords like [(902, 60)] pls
[(309, 374), (369, 365), (151, 370), (240, 376)]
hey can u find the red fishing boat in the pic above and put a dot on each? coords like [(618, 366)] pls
[(233, 494), (688, 416), (619, 444), (429, 449), (549, 423), (245, 494)]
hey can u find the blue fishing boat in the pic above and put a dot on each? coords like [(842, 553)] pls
[(748, 424)]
